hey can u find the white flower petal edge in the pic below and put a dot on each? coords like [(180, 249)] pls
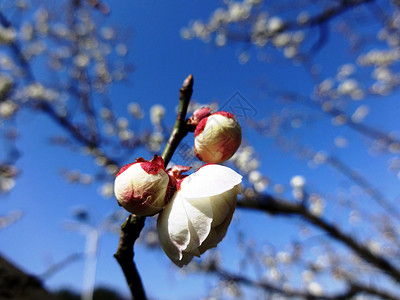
[(210, 180), (173, 229), (189, 225)]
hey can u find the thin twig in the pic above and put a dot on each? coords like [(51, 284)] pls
[(48, 109), (321, 19), (180, 128)]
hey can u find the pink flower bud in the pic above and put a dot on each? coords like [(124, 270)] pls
[(217, 137), (198, 115), (198, 216), (141, 187)]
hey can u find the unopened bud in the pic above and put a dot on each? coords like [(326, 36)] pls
[(141, 187), (198, 115), (217, 137)]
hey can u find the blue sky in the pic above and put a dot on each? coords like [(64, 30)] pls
[(162, 60)]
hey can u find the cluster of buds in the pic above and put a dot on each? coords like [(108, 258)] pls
[(195, 210)]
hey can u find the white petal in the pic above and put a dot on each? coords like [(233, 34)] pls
[(124, 185), (200, 215), (210, 242), (217, 233), (186, 258), (193, 252), (222, 228), (222, 205), (178, 225), (209, 180), (173, 228), (163, 237)]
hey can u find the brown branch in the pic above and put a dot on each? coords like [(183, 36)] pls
[(363, 129), (180, 128), (45, 107), (321, 19), (130, 231), (339, 165), (335, 162), (353, 288), (132, 227), (366, 186), (330, 13), (273, 205), (374, 291), (329, 110), (84, 84)]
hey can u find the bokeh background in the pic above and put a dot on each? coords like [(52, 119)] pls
[(87, 86)]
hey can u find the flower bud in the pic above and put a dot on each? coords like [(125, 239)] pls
[(217, 137), (141, 187), (198, 115), (198, 216)]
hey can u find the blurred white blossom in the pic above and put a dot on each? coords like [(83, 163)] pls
[(157, 113), (7, 109), (6, 184), (7, 35), (316, 205), (297, 182), (341, 142), (307, 276), (135, 110), (6, 84), (361, 112), (39, 92), (274, 24), (315, 288), (107, 190)]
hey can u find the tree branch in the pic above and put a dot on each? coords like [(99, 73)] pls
[(334, 162), (352, 290), (130, 231), (180, 128), (48, 109), (273, 205), (321, 19), (133, 225)]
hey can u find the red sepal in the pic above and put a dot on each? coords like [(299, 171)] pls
[(200, 127), (225, 114), (153, 166)]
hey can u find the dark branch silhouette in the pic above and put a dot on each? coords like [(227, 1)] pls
[(276, 206)]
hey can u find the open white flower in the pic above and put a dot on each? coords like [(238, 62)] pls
[(198, 216)]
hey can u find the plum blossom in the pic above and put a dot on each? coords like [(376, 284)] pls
[(198, 216), (141, 187), (217, 137)]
